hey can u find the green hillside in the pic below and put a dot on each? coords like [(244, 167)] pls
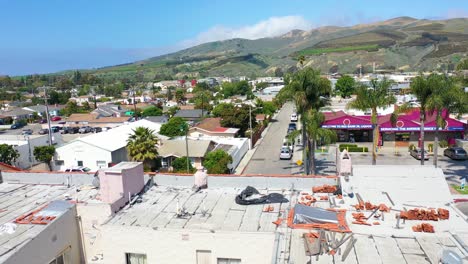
[(402, 43)]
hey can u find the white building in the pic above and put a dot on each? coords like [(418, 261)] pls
[(25, 146), (100, 150)]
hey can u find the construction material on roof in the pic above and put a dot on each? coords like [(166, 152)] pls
[(250, 195), (424, 227), (423, 214), (306, 217), (324, 189), (45, 214)]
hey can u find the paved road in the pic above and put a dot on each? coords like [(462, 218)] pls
[(266, 157)]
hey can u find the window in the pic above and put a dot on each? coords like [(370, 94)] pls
[(63, 258), (203, 256), (228, 261), (134, 258), (59, 162), (80, 163), (101, 163)]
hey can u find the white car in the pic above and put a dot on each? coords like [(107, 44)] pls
[(78, 169), (287, 144), (285, 153), (294, 117)]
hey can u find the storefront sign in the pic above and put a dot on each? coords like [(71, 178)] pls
[(385, 129), (348, 126)]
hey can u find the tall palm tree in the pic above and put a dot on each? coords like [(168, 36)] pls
[(141, 145), (421, 87), (314, 120), (446, 95), (309, 91), (372, 97)]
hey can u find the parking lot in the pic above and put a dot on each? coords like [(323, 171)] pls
[(37, 127)]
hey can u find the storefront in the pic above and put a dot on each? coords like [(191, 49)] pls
[(351, 128)]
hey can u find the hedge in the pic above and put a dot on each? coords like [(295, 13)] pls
[(348, 145), (355, 149)]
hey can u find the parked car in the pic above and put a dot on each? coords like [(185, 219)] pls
[(78, 169), (292, 127), (85, 129), (285, 153), (97, 129), (106, 128), (17, 125), (43, 131), (27, 132), (55, 118), (43, 121), (65, 130), (416, 153), (294, 117), (62, 123), (456, 153), (55, 129), (288, 144), (73, 130)]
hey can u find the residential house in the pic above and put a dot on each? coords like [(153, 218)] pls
[(158, 119), (95, 119), (108, 110), (191, 115), (18, 113), (80, 100), (54, 110), (169, 150), (212, 127), (101, 150)]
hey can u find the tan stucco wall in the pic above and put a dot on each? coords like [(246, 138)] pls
[(180, 246)]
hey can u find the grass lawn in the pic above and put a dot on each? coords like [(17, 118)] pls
[(342, 49), (457, 188)]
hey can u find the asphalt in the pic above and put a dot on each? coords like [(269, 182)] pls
[(265, 159)]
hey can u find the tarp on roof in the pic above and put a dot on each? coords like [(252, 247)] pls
[(250, 195)]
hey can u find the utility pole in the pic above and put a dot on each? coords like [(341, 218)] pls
[(134, 105), (250, 123), (47, 116)]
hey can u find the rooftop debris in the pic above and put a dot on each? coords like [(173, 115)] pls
[(324, 189), (369, 206), (250, 195), (305, 217), (422, 214), (424, 227)]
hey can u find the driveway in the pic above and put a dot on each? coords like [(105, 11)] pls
[(266, 157)]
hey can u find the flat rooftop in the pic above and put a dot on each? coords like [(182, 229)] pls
[(209, 209), (19, 199)]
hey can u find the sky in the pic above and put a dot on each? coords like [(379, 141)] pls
[(53, 35)]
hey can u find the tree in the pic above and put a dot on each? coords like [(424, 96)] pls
[(71, 108), (239, 118), (141, 146), (180, 165), (202, 101), (216, 162), (373, 97), (152, 111), (301, 60), (463, 65), (309, 91), (261, 86), (345, 86), (44, 154), (8, 154), (176, 126), (172, 111), (180, 95), (445, 95), (314, 120), (223, 109)]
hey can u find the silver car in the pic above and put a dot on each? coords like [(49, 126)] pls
[(285, 153), (416, 153)]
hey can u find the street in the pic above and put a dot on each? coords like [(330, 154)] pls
[(266, 157)]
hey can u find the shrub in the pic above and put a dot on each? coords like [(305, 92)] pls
[(180, 165), (443, 143), (411, 147), (430, 147), (355, 149), (348, 145)]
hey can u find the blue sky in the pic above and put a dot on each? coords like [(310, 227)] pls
[(52, 35)]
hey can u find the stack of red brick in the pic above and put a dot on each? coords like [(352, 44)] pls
[(324, 189), (424, 227), (370, 206), (307, 199), (427, 215)]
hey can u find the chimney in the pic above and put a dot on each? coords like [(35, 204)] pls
[(201, 179)]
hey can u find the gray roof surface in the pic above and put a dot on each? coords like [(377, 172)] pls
[(158, 119), (177, 148), (19, 199), (195, 113)]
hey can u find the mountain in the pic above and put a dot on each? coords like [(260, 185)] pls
[(402, 43)]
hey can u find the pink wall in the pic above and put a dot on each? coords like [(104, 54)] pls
[(117, 182)]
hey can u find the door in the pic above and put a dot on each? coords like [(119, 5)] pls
[(203, 256)]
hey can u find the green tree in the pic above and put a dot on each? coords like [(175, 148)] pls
[(180, 165), (172, 110), (71, 108), (8, 154), (463, 65), (309, 91), (223, 109), (176, 126), (445, 95), (345, 85), (261, 86), (152, 111), (202, 101), (141, 146), (180, 95), (239, 118), (373, 97), (44, 154), (216, 162)]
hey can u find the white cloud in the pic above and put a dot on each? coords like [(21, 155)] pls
[(270, 27)]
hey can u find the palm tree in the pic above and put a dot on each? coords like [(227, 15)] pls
[(446, 95), (141, 145), (314, 120), (372, 97), (421, 87), (309, 91)]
